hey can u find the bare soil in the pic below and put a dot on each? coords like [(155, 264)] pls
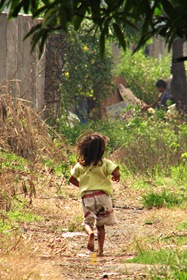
[(55, 247)]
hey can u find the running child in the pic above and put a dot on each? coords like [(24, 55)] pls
[(91, 175)]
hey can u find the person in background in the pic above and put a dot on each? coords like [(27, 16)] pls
[(91, 175), (163, 97)]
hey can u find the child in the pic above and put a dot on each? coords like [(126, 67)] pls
[(90, 174)]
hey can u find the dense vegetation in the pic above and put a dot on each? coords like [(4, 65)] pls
[(142, 72), (145, 18), (86, 79), (151, 151)]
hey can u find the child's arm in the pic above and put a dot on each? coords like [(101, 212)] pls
[(74, 181), (116, 175)]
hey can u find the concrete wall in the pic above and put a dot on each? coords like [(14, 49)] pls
[(21, 73), (54, 55), (38, 81)]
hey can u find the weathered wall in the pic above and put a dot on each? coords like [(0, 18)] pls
[(38, 81), (53, 71), (21, 73)]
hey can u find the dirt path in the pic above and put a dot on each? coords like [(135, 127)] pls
[(48, 250)]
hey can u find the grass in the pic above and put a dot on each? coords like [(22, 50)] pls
[(12, 161), (13, 220), (183, 225), (153, 257), (173, 263), (76, 224), (152, 157), (163, 199)]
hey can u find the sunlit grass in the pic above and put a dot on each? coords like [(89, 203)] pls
[(12, 220), (164, 198), (172, 263)]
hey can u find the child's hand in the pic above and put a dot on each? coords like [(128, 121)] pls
[(116, 175), (115, 179), (74, 181)]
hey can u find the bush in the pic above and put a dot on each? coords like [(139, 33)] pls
[(86, 79), (143, 146), (141, 73), (165, 198)]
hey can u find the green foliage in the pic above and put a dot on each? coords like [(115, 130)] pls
[(142, 72), (153, 257), (75, 224), (106, 127), (179, 173), (183, 226), (173, 263), (147, 18), (11, 160), (13, 219), (144, 146), (148, 146), (163, 199), (86, 78), (62, 168)]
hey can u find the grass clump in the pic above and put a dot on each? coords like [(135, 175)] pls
[(14, 219), (146, 146), (163, 199), (142, 83), (76, 224), (11, 161), (172, 263)]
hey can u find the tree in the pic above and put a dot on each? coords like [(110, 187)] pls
[(86, 79), (167, 18), (178, 82)]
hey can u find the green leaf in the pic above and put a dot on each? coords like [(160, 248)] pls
[(16, 7), (46, 2), (78, 18), (42, 44), (95, 8), (26, 5), (63, 20), (3, 4), (110, 2), (42, 9), (48, 16), (34, 5), (143, 40), (36, 38), (119, 35), (168, 8), (33, 29), (14, 10), (102, 44), (157, 12), (147, 22)]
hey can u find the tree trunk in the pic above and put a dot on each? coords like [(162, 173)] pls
[(179, 83)]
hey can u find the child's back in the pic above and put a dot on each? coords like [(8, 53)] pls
[(91, 175)]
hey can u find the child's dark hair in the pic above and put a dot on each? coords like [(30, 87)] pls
[(161, 83), (90, 148)]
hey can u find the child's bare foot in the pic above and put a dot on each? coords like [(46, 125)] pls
[(100, 254), (90, 245)]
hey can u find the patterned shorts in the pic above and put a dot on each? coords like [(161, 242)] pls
[(97, 207)]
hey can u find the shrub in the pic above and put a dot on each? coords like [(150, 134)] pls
[(165, 198), (141, 73)]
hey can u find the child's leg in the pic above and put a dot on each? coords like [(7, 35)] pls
[(101, 239), (89, 231)]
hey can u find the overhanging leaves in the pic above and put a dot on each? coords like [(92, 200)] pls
[(120, 35), (164, 17)]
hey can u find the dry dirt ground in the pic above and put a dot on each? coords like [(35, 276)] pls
[(55, 247)]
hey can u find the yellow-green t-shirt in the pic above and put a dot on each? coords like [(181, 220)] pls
[(93, 178)]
